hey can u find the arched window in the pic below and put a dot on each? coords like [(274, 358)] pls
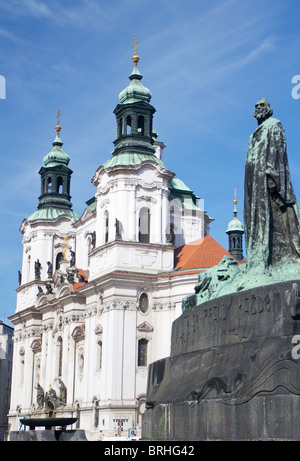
[(171, 215), (59, 185), (78, 335), (49, 185), (59, 355), (142, 352), (36, 348), (98, 332), (59, 259), (106, 224), (99, 354), (143, 303), (141, 125), (128, 125), (28, 268), (144, 225)]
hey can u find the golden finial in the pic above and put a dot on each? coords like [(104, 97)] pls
[(235, 200), (234, 203), (58, 127), (135, 57)]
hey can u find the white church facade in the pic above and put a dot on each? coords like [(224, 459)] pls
[(98, 293)]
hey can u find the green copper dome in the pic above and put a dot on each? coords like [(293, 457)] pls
[(135, 91), (57, 156), (235, 225), (132, 159), (52, 213)]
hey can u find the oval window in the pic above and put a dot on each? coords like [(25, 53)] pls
[(143, 304)]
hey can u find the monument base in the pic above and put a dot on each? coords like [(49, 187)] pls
[(233, 372), (265, 418), (48, 435)]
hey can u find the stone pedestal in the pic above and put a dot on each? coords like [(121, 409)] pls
[(233, 372), (76, 435)]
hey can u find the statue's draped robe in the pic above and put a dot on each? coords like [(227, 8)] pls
[(271, 216)]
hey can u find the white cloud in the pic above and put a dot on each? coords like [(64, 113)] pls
[(82, 14)]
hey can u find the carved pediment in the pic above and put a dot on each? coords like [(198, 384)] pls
[(145, 327), (98, 330), (78, 333), (36, 345)]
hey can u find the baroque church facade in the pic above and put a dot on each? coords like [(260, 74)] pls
[(98, 293)]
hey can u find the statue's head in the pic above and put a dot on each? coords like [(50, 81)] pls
[(262, 110)]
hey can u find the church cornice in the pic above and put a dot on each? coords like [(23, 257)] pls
[(25, 315), (127, 170), (120, 304)]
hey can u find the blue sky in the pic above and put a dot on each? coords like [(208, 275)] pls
[(205, 62)]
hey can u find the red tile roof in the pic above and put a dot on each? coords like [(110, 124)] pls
[(81, 273), (78, 285), (192, 258), (202, 253), (83, 279)]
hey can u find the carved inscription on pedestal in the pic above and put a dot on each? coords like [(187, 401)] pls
[(229, 319)]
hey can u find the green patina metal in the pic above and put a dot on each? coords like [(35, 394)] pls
[(134, 117), (57, 156), (235, 225), (229, 277), (271, 216), (54, 200), (135, 91), (179, 191), (91, 204), (51, 214), (132, 159), (235, 232)]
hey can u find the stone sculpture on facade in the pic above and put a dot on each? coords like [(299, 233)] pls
[(20, 277), (72, 259), (118, 226), (50, 270), (50, 399), (63, 393), (93, 240), (171, 234), (37, 270), (40, 397), (49, 289)]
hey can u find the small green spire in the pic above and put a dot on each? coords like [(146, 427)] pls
[(135, 91), (235, 224), (235, 231), (57, 156)]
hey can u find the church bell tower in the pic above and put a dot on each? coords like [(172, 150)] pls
[(46, 230), (134, 116), (55, 176), (235, 232)]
